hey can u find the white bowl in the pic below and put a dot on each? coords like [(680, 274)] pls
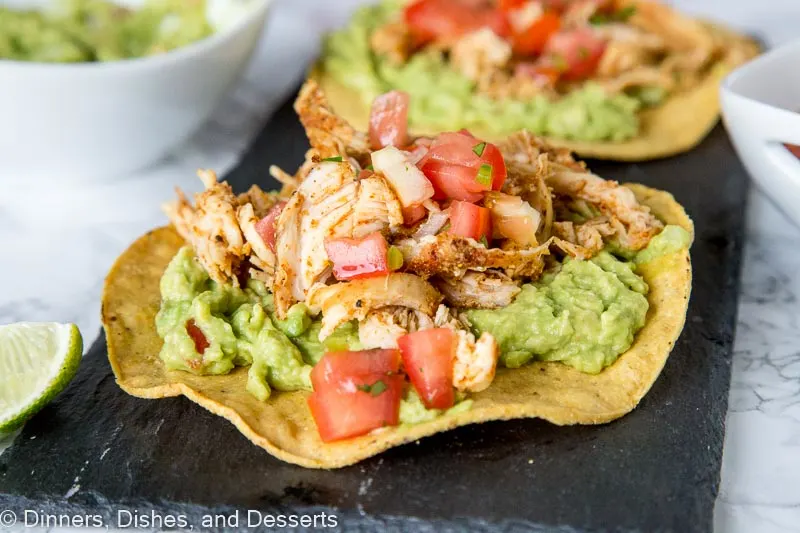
[(92, 120), (760, 105)]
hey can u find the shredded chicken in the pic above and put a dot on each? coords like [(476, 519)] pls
[(353, 300), (633, 223), (211, 227), (330, 203), (391, 41), (450, 255), (475, 361), (479, 54), (679, 32), (382, 327), (329, 134), (487, 290), (628, 48)]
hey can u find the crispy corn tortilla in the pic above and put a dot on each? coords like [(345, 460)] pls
[(283, 425), (677, 125)]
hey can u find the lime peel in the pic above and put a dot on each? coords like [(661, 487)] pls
[(37, 362)]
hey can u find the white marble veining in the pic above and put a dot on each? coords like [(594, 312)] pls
[(60, 238)]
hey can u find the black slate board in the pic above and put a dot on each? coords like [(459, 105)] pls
[(657, 469)]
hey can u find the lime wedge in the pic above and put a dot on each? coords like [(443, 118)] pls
[(37, 361)]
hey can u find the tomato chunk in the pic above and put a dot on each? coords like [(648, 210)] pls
[(266, 226), (428, 360), (575, 53), (534, 38), (339, 368), (430, 20), (388, 120), (462, 167), (374, 404), (197, 335), (470, 220), (793, 148), (358, 258)]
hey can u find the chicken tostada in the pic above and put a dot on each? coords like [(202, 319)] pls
[(614, 79), (391, 292)]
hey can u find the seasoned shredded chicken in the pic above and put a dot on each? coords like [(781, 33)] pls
[(382, 327), (479, 54), (211, 227), (330, 203), (487, 290), (354, 300), (633, 223), (392, 42), (475, 362), (450, 255), (329, 134)]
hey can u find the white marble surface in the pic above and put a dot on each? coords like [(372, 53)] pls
[(60, 238)]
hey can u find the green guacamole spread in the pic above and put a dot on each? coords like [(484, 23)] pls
[(583, 314), (99, 30), (443, 99)]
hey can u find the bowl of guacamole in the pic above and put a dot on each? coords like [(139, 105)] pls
[(101, 88)]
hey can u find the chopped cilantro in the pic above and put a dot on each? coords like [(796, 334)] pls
[(484, 242), (598, 18), (370, 167), (375, 389), (378, 387), (479, 148), (484, 176), (625, 13), (337, 159), (620, 15)]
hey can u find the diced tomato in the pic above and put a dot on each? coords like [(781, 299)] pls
[(197, 335), (428, 360), (510, 5), (364, 173), (576, 53), (358, 258), (339, 368), (388, 120), (454, 167), (470, 220), (794, 149), (341, 415), (429, 20), (533, 40), (448, 181), (413, 214), (266, 226)]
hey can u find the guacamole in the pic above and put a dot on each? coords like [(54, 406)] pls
[(99, 30), (238, 327), (443, 99), (585, 315)]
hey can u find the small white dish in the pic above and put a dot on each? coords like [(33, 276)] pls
[(761, 110), (93, 120)]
